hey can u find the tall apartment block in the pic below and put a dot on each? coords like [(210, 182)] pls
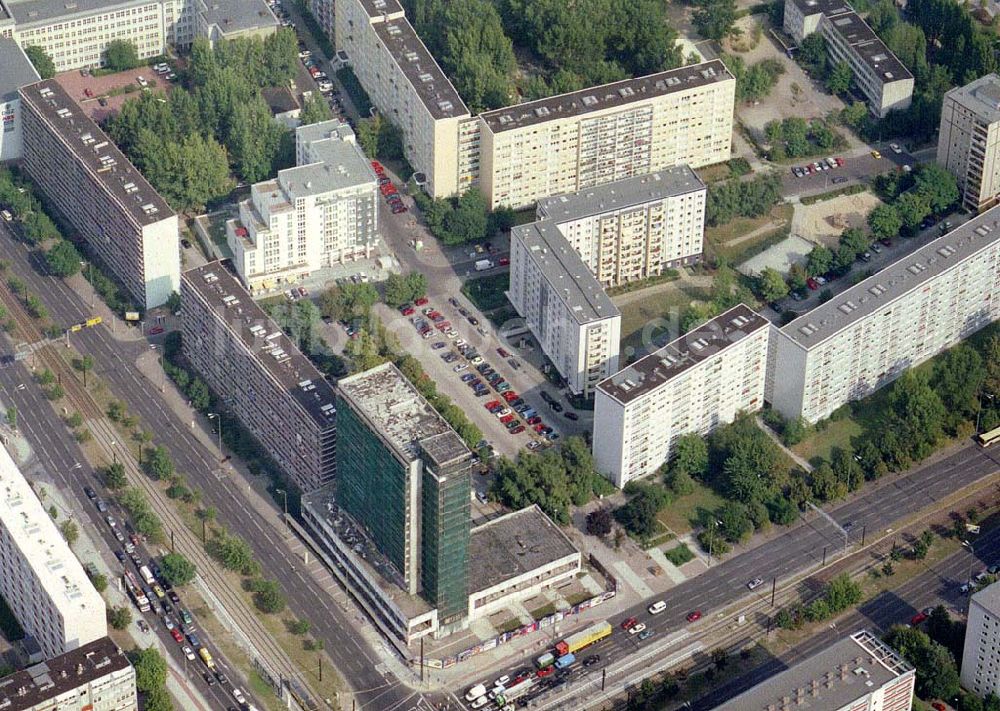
[(41, 580), (969, 140), (883, 79), (690, 386), (18, 71), (856, 673), (575, 141), (323, 11), (980, 656), (407, 86), (271, 387), (633, 228), (122, 218), (563, 304), (76, 34), (868, 335), (95, 676), (404, 475), (320, 213)]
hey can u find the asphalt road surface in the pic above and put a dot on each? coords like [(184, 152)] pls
[(115, 363)]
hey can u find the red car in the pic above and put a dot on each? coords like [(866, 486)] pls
[(378, 167), (812, 283), (492, 403), (510, 395), (421, 301), (503, 353), (176, 634), (443, 325), (88, 92), (504, 261), (396, 209), (507, 418), (693, 616), (534, 420), (539, 427), (517, 430), (542, 673), (407, 310), (156, 330), (838, 161), (629, 623), (918, 618)]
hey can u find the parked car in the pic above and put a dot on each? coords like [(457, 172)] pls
[(694, 616)]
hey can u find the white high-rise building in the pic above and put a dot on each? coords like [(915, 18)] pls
[(94, 677), (576, 324), (17, 72), (320, 213), (575, 141), (969, 140), (633, 228), (692, 385), (41, 580), (868, 335), (981, 655)]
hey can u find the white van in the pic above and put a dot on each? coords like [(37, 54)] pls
[(657, 607), (475, 692)]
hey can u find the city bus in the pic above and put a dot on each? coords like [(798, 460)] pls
[(135, 592), (987, 438)]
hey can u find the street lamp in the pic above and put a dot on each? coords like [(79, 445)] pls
[(114, 452), (711, 537), (216, 416), (90, 267)]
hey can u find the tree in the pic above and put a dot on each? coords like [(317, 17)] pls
[(937, 675), (855, 240), (150, 669), (912, 207), (839, 79), (937, 186), (114, 476), (253, 139), (100, 582), (62, 259), (177, 570), (158, 700), (121, 55), (771, 285), (918, 415), (158, 464), (42, 62), (885, 221), (299, 627), (819, 261), (958, 374), (69, 531), (599, 521), (119, 617), (268, 596), (12, 417), (734, 521), (690, 455), (314, 110), (638, 516), (234, 553), (715, 19)]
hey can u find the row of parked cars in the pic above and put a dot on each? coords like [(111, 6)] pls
[(819, 167), (387, 189)]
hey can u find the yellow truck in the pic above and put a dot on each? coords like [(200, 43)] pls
[(206, 657)]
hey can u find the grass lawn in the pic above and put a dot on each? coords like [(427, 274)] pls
[(836, 434), (719, 239), (665, 303), (681, 516), (487, 293), (679, 555), (544, 611), (714, 173)]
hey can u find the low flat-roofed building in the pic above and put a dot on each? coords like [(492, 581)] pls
[(17, 71), (220, 20), (95, 676), (271, 387), (101, 194), (515, 557), (856, 673), (320, 213), (404, 475), (41, 580), (561, 301), (868, 335), (571, 142), (633, 228), (692, 385)]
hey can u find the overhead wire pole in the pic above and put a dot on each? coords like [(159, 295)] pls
[(833, 523)]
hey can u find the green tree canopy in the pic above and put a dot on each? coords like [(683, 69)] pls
[(885, 221), (315, 110), (120, 55), (771, 285), (176, 569), (839, 79), (42, 62), (150, 669)]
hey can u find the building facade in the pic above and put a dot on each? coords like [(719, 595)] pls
[(271, 387), (76, 34), (856, 673), (564, 305), (18, 71), (633, 228), (407, 86), (575, 141), (41, 580), (123, 219), (405, 476), (883, 79), (969, 140), (320, 213), (694, 384), (868, 335), (980, 656), (96, 676)]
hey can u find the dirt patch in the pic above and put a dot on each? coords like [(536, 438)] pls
[(825, 221)]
